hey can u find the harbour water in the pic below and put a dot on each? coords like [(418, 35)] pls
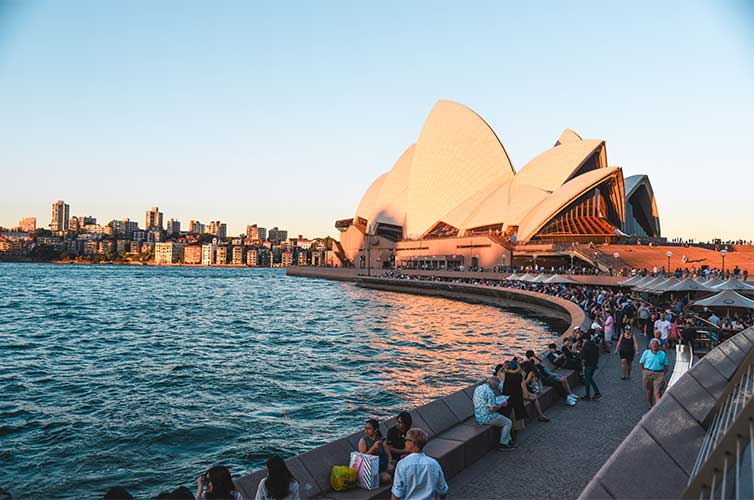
[(143, 377)]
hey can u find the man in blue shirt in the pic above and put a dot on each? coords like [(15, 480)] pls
[(486, 411), (417, 476), (654, 366)]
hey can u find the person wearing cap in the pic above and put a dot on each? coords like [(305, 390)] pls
[(654, 366), (626, 347)]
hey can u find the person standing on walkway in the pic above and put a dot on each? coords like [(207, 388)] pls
[(417, 475), (590, 354), (486, 412), (626, 348), (654, 366)]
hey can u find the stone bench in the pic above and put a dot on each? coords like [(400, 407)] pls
[(456, 442)]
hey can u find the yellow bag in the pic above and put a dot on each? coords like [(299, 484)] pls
[(342, 477)]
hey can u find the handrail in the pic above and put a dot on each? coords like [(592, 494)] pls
[(724, 467)]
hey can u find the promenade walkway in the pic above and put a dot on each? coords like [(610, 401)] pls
[(556, 460)]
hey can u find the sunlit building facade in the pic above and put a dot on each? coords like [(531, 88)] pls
[(454, 199)]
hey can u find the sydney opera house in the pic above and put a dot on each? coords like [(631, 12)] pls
[(454, 199)]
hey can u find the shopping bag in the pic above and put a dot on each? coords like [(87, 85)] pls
[(342, 477), (367, 470)]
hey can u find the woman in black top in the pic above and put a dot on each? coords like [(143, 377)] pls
[(626, 347)]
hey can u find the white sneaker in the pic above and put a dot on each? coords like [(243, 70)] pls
[(571, 401)]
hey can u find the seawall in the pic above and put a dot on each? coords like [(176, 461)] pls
[(456, 440)]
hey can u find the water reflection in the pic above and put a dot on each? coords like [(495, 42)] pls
[(145, 376), (424, 347)]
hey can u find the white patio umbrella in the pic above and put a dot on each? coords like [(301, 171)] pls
[(557, 278), (734, 285), (512, 277), (689, 285), (727, 299), (527, 277), (713, 282), (630, 281), (665, 285), (540, 278), (648, 285), (642, 281)]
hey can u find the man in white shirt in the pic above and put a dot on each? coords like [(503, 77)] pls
[(662, 325), (418, 476)]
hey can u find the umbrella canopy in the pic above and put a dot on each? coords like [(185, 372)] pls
[(630, 281), (712, 282), (539, 279), (640, 282), (557, 278), (527, 277), (666, 285), (726, 298), (649, 285), (513, 277), (734, 285), (689, 285)]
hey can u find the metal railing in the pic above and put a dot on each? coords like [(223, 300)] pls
[(724, 467)]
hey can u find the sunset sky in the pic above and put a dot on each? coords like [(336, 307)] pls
[(283, 113)]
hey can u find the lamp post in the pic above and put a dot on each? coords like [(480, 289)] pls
[(723, 253), (616, 255), (668, 254), (534, 257)]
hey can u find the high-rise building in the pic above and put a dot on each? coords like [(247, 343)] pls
[(28, 224), (222, 255), (251, 257), (124, 228), (278, 235), (286, 259), (192, 254), (196, 227), (60, 214), (174, 227), (208, 254), (237, 256), (262, 233), (167, 252), (154, 219), (252, 232), (218, 228)]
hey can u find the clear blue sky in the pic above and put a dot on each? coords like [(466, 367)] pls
[(283, 113)]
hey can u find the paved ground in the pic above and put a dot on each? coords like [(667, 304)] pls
[(557, 459)]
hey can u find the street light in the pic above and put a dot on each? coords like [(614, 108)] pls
[(616, 255), (723, 253), (668, 254)]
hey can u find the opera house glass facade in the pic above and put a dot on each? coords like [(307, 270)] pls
[(453, 198)]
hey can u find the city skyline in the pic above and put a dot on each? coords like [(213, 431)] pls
[(246, 113)]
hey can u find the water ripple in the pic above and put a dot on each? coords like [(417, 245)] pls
[(142, 377)]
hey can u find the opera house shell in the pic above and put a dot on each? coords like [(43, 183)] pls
[(454, 194)]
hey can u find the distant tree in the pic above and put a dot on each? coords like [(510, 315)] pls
[(42, 232)]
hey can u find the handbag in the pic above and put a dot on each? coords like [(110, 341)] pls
[(342, 478), (535, 386), (367, 470)]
